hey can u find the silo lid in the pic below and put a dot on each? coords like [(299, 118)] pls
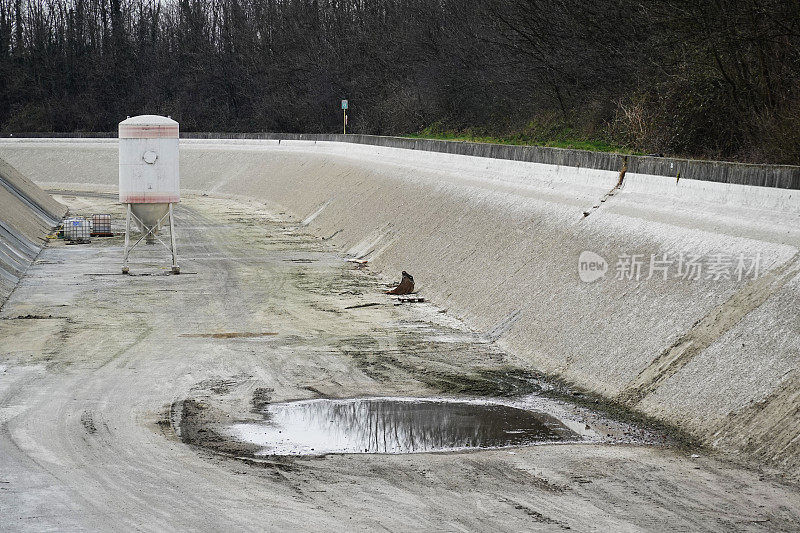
[(150, 120), (148, 127)]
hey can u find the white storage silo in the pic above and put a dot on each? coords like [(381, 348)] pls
[(149, 179)]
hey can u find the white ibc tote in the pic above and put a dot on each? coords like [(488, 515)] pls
[(149, 179)]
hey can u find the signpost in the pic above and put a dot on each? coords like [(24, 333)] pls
[(344, 112)]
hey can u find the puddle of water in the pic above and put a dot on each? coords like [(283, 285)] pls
[(396, 425)]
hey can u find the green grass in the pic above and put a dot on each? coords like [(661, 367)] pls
[(533, 135)]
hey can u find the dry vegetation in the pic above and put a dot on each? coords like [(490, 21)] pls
[(711, 79)]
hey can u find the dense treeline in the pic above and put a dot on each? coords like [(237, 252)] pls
[(715, 78)]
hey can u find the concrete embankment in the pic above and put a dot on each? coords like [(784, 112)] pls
[(27, 215), (695, 321)]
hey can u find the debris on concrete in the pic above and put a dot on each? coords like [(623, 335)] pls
[(229, 335), (360, 306), (406, 285), (410, 300)]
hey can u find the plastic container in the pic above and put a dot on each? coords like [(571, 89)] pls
[(77, 230), (101, 225)]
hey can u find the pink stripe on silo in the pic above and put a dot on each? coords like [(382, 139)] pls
[(134, 131), (150, 198)]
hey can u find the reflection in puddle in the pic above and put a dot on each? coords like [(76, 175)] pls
[(396, 425)]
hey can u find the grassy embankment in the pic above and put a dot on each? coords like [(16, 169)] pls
[(556, 138)]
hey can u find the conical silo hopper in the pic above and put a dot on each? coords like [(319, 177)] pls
[(149, 179)]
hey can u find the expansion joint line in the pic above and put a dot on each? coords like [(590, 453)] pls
[(623, 169)]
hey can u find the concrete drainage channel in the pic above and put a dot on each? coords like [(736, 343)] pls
[(161, 402), (272, 330)]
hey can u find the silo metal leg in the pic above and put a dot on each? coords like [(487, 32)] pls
[(175, 268), (125, 269)]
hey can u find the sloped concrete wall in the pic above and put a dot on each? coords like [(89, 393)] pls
[(780, 176), (27, 214), (497, 242)]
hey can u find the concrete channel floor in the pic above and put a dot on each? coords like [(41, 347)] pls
[(93, 363)]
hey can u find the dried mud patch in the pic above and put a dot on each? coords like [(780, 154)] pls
[(230, 335), (345, 281), (201, 424)]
